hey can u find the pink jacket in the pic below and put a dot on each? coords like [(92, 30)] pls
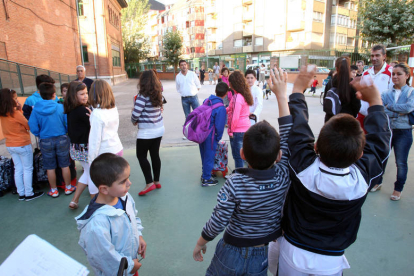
[(238, 115), (226, 80)]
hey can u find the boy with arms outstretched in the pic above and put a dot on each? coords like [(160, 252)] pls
[(330, 181)]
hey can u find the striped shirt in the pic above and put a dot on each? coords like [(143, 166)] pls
[(145, 114), (251, 201)]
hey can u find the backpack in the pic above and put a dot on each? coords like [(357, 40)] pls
[(6, 174), (331, 102), (39, 173), (197, 125)]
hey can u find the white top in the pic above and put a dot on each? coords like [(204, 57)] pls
[(397, 94), (187, 85), (262, 69), (311, 263), (103, 136), (257, 106), (216, 69), (150, 133)]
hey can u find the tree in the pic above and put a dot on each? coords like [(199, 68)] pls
[(390, 22), (172, 44), (134, 18)]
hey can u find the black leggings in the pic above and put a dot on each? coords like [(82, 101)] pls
[(153, 146)]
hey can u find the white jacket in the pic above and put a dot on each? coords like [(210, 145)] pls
[(103, 136), (257, 106)]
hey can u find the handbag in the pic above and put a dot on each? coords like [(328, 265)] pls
[(411, 114), (164, 101)]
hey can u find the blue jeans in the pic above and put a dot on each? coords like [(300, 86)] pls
[(55, 147), (188, 103), (401, 142), (232, 260), (208, 152), (236, 144), (23, 168)]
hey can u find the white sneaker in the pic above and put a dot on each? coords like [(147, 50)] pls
[(184, 138)]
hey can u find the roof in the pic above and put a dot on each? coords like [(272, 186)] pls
[(156, 6), (123, 3)]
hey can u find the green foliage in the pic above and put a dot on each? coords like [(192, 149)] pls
[(390, 22), (172, 44), (134, 18)]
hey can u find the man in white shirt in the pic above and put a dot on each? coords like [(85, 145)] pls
[(188, 85)]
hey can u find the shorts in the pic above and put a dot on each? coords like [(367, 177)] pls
[(216, 75), (313, 89), (55, 148)]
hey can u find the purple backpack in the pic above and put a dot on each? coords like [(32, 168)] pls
[(197, 125)]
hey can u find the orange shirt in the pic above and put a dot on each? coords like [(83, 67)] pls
[(15, 129)]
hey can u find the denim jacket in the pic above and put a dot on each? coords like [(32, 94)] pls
[(397, 111)]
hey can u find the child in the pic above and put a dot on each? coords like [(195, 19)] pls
[(267, 89), (250, 202), (109, 228), (313, 86), (330, 181), (209, 146), (238, 114), (225, 72), (63, 90), (354, 71), (75, 106), (48, 122), (15, 129), (257, 95), (210, 75)]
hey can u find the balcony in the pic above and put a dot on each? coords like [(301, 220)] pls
[(248, 15), (211, 37), (248, 49), (211, 24), (294, 26), (247, 2), (210, 10), (211, 52), (196, 43), (248, 31), (196, 16)]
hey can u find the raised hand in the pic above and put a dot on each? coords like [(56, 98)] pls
[(367, 91), (278, 82), (306, 73)]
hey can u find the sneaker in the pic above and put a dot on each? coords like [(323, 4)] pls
[(53, 194), (22, 198), (209, 182), (35, 195), (212, 176), (184, 138), (71, 190)]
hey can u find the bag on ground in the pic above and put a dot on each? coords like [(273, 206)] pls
[(331, 102), (6, 174), (221, 157), (197, 125), (39, 173)]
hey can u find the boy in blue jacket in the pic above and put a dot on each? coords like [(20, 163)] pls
[(208, 147), (48, 122)]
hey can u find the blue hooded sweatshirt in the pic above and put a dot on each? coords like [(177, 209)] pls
[(47, 119), (30, 103)]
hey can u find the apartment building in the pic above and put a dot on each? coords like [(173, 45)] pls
[(151, 29)]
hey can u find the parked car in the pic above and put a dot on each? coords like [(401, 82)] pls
[(254, 66), (322, 70)]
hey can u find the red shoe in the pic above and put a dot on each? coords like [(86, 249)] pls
[(158, 186), (143, 192)]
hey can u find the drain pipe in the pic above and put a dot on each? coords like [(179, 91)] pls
[(79, 31), (96, 41)]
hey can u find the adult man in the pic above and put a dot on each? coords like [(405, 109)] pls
[(216, 71), (360, 64), (188, 85), (80, 71)]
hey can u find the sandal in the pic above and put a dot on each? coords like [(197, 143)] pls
[(395, 198), (73, 205)]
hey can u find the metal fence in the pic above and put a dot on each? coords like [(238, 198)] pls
[(22, 78)]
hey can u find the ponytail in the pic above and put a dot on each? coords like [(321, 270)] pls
[(342, 65)]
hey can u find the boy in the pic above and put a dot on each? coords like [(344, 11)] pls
[(63, 90), (313, 86), (48, 122), (330, 181), (257, 95), (208, 147), (354, 71), (109, 228), (251, 200)]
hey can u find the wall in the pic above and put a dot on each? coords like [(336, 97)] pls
[(319, 76)]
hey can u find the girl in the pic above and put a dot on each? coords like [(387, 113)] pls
[(147, 115), (399, 102), (104, 120), (225, 78), (75, 106), (238, 114), (347, 94), (210, 75), (18, 143)]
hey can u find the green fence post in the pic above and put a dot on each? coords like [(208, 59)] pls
[(60, 79), (19, 75), (35, 72), (1, 86)]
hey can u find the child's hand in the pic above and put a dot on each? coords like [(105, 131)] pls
[(137, 265), (197, 252), (278, 82), (367, 91), (18, 105), (89, 112), (142, 247), (306, 73)]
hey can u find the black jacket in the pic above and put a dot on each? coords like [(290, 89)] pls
[(79, 125), (322, 212)]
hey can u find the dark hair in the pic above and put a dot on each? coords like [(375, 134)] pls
[(261, 145), (150, 86), (342, 66), (360, 61), (379, 47), (7, 104), (107, 168), (43, 78), (156, 73), (331, 73), (404, 66), (221, 89), (225, 69), (181, 61), (239, 84), (341, 141), (64, 85), (250, 72), (47, 90), (71, 101), (354, 67)]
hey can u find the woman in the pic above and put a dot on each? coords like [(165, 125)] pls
[(262, 74), (202, 75), (238, 114), (347, 94), (398, 102), (147, 115)]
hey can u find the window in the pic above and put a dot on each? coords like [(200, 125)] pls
[(317, 16), (113, 17), (192, 49), (219, 46), (258, 41), (247, 41), (116, 59), (350, 41), (238, 43), (192, 23), (81, 11), (85, 53)]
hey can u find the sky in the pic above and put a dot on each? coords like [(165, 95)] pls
[(167, 2)]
